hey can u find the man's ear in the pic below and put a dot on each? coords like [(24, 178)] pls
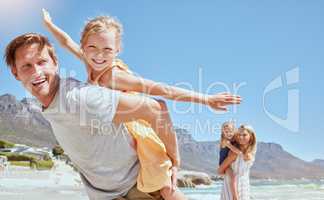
[(117, 52), (14, 72), (57, 68)]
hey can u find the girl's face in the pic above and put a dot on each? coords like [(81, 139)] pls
[(228, 132), (243, 137), (100, 49)]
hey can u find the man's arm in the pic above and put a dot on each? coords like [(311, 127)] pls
[(133, 107), (64, 39)]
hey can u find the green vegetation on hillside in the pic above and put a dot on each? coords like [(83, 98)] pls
[(26, 160), (6, 144)]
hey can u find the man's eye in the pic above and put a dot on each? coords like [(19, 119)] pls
[(27, 66), (91, 47)]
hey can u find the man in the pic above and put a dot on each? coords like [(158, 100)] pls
[(87, 120)]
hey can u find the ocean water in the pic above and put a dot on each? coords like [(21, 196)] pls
[(267, 190), (62, 183)]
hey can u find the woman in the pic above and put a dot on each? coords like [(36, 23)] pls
[(240, 164)]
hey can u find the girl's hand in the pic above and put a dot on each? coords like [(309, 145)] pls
[(46, 16), (222, 100)]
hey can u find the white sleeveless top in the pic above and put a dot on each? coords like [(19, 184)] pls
[(241, 169)]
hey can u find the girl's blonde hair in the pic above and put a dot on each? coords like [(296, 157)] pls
[(223, 138), (251, 150), (100, 24)]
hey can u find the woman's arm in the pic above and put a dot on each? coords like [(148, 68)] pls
[(122, 80), (64, 39), (227, 162)]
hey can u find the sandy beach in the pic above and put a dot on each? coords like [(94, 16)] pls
[(63, 183)]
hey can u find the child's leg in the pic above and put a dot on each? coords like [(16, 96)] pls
[(233, 183), (168, 194)]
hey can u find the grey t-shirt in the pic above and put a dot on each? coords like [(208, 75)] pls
[(81, 118)]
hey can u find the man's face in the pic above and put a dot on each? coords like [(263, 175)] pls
[(35, 69)]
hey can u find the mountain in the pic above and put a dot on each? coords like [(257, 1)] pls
[(318, 162), (272, 161), (22, 122)]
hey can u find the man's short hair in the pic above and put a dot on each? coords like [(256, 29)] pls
[(27, 39)]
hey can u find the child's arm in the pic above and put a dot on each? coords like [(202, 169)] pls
[(64, 39), (122, 80), (232, 147)]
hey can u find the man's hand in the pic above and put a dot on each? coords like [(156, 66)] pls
[(174, 178), (46, 16), (222, 100)]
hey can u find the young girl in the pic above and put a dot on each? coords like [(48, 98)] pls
[(226, 144), (100, 45)]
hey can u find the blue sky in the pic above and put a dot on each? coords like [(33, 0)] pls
[(206, 44)]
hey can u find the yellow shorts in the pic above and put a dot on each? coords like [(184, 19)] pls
[(155, 172)]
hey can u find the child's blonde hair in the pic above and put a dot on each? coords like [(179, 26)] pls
[(251, 150), (102, 23), (223, 138)]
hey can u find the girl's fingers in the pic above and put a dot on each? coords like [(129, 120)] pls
[(231, 99), (46, 14), (174, 180), (221, 108)]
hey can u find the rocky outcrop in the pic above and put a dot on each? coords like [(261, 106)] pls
[(193, 178)]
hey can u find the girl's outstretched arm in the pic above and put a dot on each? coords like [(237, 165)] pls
[(64, 39), (121, 80)]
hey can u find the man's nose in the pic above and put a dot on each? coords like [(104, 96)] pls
[(38, 69)]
